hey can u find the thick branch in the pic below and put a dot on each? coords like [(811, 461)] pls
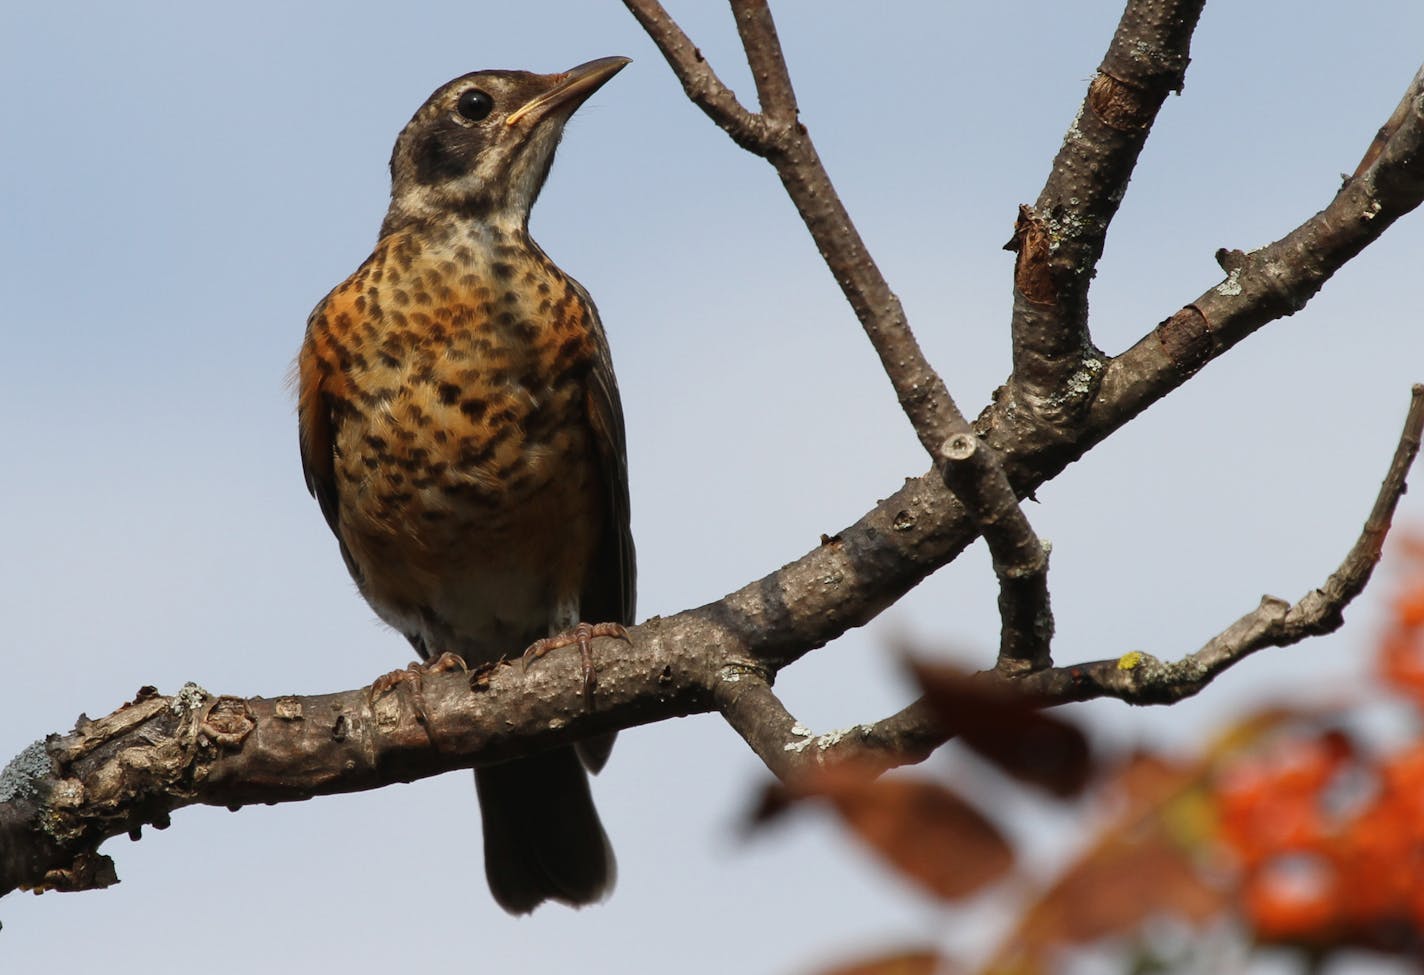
[(1142, 679), (1060, 240), (63, 797)]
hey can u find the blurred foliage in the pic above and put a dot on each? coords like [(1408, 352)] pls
[(1289, 830)]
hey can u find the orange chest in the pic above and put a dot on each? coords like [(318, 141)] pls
[(455, 377)]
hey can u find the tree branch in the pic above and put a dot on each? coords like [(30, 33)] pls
[(1141, 679), (1271, 282), (1402, 112), (1060, 240), (704, 89), (788, 748), (158, 754), (763, 47), (779, 138), (62, 798)]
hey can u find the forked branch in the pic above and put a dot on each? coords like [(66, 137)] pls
[(1060, 239), (777, 135)]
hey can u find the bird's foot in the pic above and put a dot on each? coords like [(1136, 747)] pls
[(414, 677), (415, 673), (583, 636)]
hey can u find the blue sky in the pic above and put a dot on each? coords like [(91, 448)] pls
[(183, 182)]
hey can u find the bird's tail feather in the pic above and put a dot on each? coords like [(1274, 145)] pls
[(543, 838)]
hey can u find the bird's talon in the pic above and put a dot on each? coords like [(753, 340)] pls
[(388, 682), (446, 663), (582, 636)]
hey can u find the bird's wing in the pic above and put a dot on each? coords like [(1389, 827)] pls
[(314, 433), (610, 589), (319, 389)]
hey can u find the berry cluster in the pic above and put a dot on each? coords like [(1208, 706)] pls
[(1329, 836)]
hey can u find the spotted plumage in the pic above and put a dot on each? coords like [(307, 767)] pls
[(461, 429)]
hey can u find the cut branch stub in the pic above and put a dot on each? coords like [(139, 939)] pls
[(975, 474)]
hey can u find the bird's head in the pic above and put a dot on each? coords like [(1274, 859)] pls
[(482, 145)]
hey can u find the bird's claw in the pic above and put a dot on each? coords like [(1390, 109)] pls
[(447, 663), (581, 636), (416, 671)]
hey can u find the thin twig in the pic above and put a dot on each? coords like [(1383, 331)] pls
[(763, 47), (1270, 282), (704, 89), (1141, 679), (788, 748), (784, 142)]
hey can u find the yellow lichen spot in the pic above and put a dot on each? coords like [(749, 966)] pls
[(1129, 661)]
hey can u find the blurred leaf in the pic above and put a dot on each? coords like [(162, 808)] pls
[(926, 831), (1125, 881), (1263, 724), (1143, 865), (1008, 729), (1144, 781), (912, 962)]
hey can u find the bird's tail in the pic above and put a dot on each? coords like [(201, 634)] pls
[(543, 839)]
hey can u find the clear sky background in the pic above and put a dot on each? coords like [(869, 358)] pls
[(182, 182)]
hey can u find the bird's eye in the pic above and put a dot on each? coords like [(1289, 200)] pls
[(474, 104)]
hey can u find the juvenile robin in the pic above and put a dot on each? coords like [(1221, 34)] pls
[(461, 429)]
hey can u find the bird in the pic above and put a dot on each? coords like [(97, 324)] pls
[(461, 429)]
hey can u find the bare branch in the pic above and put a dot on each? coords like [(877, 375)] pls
[(763, 47), (111, 776), (920, 390), (1142, 679), (1386, 132), (926, 528), (62, 798), (704, 89), (1060, 240), (1269, 283), (788, 748), (973, 472), (787, 145)]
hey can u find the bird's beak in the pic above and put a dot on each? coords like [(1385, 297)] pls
[(570, 88)]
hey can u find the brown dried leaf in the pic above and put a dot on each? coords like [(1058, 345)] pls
[(1008, 730), (927, 832)]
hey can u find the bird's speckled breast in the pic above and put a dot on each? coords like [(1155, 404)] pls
[(455, 368)]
